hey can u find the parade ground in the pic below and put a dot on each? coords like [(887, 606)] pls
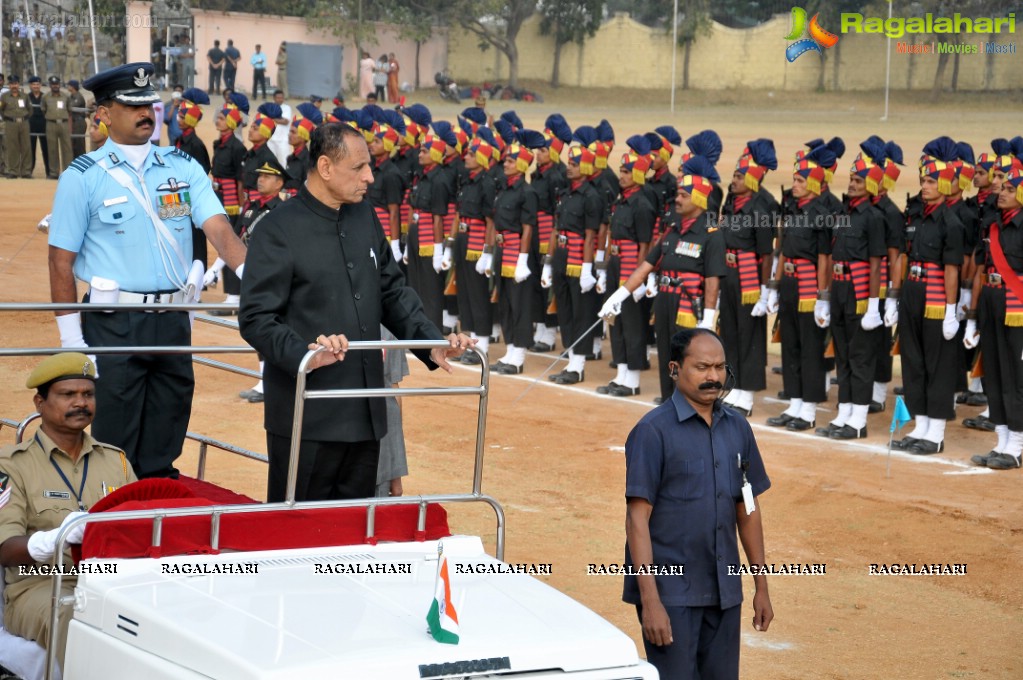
[(554, 455)]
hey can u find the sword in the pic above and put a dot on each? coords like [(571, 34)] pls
[(561, 356)]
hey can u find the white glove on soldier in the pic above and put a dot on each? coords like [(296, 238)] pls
[(212, 275), (872, 319), (613, 304), (404, 256), (522, 268), (708, 319), (586, 279), (42, 544), (438, 257), (651, 285), (546, 276), (950, 326), (447, 260), (772, 301), (822, 313), (891, 312), (638, 294), (965, 297), (601, 286), (972, 338), (760, 309), (396, 250), (483, 264)]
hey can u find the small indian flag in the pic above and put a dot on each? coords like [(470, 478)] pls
[(442, 617)]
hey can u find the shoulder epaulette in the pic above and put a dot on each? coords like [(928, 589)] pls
[(178, 152), (9, 451), (83, 163)]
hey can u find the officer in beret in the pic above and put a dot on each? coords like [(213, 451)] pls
[(48, 480), (122, 223)]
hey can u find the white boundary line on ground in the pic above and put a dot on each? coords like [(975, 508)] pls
[(961, 468)]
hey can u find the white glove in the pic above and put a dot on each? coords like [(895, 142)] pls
[(651, 285), (586, 279), (601, 286), (447, 260), (438, 257), (822, 313), (44, 224), (42, 544), (708, 319), (891, 312), (760, 309), (522, 268), (872, 319), (950, 326), (483, 264), (213, 274), (613, 304), (396, 250), (638, 294), (546, 276), (772, 301), (404, 255), (965, 297), (599, 257), (972, 338)]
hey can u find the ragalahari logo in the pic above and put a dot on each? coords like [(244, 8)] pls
[(818, 39)]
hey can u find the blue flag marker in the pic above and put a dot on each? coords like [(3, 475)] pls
[(900, 416)]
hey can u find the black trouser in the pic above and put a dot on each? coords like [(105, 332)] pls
[(540, 294), (214, 87), (476, 314), (577, 310), (743, 335), (229, 75), (665, 311), (425, 280), (258, 80), (327, 471), (856, 350), (515, 308), (628, 334), (1002, 347), (36, 126), (929, 364), (705, 644), (143, 401), (802, 347), (78, 127), (883, 365)]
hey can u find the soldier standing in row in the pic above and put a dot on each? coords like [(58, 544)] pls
[(56, 108), (37, 123), (15, 108)]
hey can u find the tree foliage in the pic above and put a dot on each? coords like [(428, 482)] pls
[(497, 24), (569, 21)]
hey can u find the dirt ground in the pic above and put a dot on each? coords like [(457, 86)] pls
[(555, 457)]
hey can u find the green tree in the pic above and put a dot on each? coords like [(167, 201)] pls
[(693, 21), (497, 24), (569, 21)]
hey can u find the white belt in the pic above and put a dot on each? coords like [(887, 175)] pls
[(176, 297)]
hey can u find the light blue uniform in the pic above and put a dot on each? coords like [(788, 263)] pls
[(102, 221)]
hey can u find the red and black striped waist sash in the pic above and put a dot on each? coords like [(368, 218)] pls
[(227, 192), (510, 243), (858, 273), (476, 233), (749, 275), (422, 222), (384, 215), (805, 273), (932, 275), (686, 285), (544, 228), (573, 244), (627, 253), (405, 211), (449, 220)]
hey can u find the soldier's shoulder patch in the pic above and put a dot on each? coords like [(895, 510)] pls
[(711, 230), (82, 163)]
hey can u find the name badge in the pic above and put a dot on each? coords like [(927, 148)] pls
[(60, 104), (115, 201), (21, 103), (60, 495)]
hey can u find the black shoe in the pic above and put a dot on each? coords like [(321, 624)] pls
[(658, 400), (740, 410), (568, 377), (612, 364), (875, 407), (904, 443), (782, 395), (606, 389), (976, 399), (981, 459), (447, 330), (623, 391), (646, 365), (505, 369), (776, 370), (540, 347), (925, 447), (899, 390), (552, 376), (471, 358), (848, 432), (780, 421), (1003, 461), (834, 381), (826, 431), (979, 423), (799, 425), (961, 397), (595, 356)]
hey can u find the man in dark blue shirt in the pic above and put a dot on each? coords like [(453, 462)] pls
[(687, 463)]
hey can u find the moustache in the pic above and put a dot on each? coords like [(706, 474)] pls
[(711, 385), (145, 121), (78, 412)]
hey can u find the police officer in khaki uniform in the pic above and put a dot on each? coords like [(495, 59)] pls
[(14, 110), (47, 480), (57, 111), (79, 118), (72, 65)]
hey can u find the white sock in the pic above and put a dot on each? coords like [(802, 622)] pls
[(808, 412), (483, 344), (651, 351), (732, 397), (232, 299), (495, 332), (631, 379), (844, 412), (858, 417), (986, 413), (550, 334), (744, 400), (597, 343), (975, 385), (449, 319), (1003, 438), (935, 431), (880, 392), (1015, 445), (922, 423), (576, 362), (795, 406), (538, 332), (509, 356), (620, 377)]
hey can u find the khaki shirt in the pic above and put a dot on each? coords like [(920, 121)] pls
[(35, 498), (15, 106), (56, 107)]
